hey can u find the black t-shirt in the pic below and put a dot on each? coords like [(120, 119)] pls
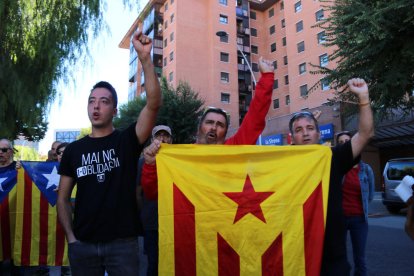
[(335, 232), (105, 171)]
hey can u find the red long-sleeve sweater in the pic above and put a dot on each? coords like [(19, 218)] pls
[(252, 126)]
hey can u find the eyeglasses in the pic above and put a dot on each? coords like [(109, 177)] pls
[(4, 150)]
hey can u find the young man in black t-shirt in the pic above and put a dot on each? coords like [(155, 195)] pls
[(305, 131), (103, 165)]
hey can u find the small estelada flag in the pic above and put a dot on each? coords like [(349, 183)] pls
[(242, 210)]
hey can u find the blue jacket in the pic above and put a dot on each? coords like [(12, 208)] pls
[(367, 181)]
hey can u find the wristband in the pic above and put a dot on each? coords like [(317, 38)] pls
[(364, 104)]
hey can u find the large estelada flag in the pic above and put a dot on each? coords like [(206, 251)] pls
[(39, 238), (8, 180), (242, 210)]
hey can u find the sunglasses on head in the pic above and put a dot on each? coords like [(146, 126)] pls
[(4, 150), (301, 114), (216, 110)]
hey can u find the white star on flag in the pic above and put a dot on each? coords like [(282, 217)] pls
[(1, 181), (52, 178)]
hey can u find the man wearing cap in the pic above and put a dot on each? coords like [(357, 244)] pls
[(214, 124), (149, 210), (305, 131)]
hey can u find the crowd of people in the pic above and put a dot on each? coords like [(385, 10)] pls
[(102, 232)]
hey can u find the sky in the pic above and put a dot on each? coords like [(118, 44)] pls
[(108, 63)]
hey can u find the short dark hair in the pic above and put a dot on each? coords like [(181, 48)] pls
[(107, 85), (342, 133), (302, 114), (214, 110)]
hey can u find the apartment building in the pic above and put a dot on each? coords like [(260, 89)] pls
[(214, 45)]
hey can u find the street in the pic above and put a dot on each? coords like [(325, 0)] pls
[(389, 250)]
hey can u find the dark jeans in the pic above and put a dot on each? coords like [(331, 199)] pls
[(358, 229), (151, 250), (118, 257)]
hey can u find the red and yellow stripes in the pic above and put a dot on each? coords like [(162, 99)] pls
[(39, 238)]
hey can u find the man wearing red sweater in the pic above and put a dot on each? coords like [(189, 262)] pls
[(213, 128)]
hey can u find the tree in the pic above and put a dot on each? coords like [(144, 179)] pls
[(26, 153), (39, 42), (180, 110), (373, 40)]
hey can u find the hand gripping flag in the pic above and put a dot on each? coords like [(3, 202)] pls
[(242, 210), (39, 238), (8, 189)]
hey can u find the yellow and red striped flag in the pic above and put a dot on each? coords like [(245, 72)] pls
[(8, 180), (242, 210), (39, 238)]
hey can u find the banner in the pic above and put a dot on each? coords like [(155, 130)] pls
[(8, 180), (39, 238), (242, 210)]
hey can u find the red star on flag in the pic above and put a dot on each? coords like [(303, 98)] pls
[(249, 201)]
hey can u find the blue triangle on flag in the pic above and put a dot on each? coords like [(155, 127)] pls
[(8, 180), (45, 177)]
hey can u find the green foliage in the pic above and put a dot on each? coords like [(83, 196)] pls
[(26, 154), (84, 132), (180, 110), (39, 42), (374, 41)]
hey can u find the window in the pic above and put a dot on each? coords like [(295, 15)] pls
[(323, 60), (255, 67), (275, 64), (282, 5), (255, 50), (224, 77), (253, 31), (299, 26), (303, 90), (272, 29), (301, 46), (171, 36), (298, 6), (165, 43), (171, 18), (171, 76), (284, 41), (283, 23), (275, 84), (224, 57), (271, 12), (286, 79), (165, 24), (165, 61), (287, 99), (224, 19), (166, 7), (321, 37), (225, 97), (285, 60), (253, 15), (275, 103), (325, 84), (171, 56), (319, 15), (223, 2), (224, 38), (302, 68), (273, 47)]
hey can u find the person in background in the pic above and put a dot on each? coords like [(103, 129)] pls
[(149, 209), (358, 189), (52, 155), (59, 151), (304, 129)]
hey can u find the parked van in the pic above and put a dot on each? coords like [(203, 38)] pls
[(394, 172)]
